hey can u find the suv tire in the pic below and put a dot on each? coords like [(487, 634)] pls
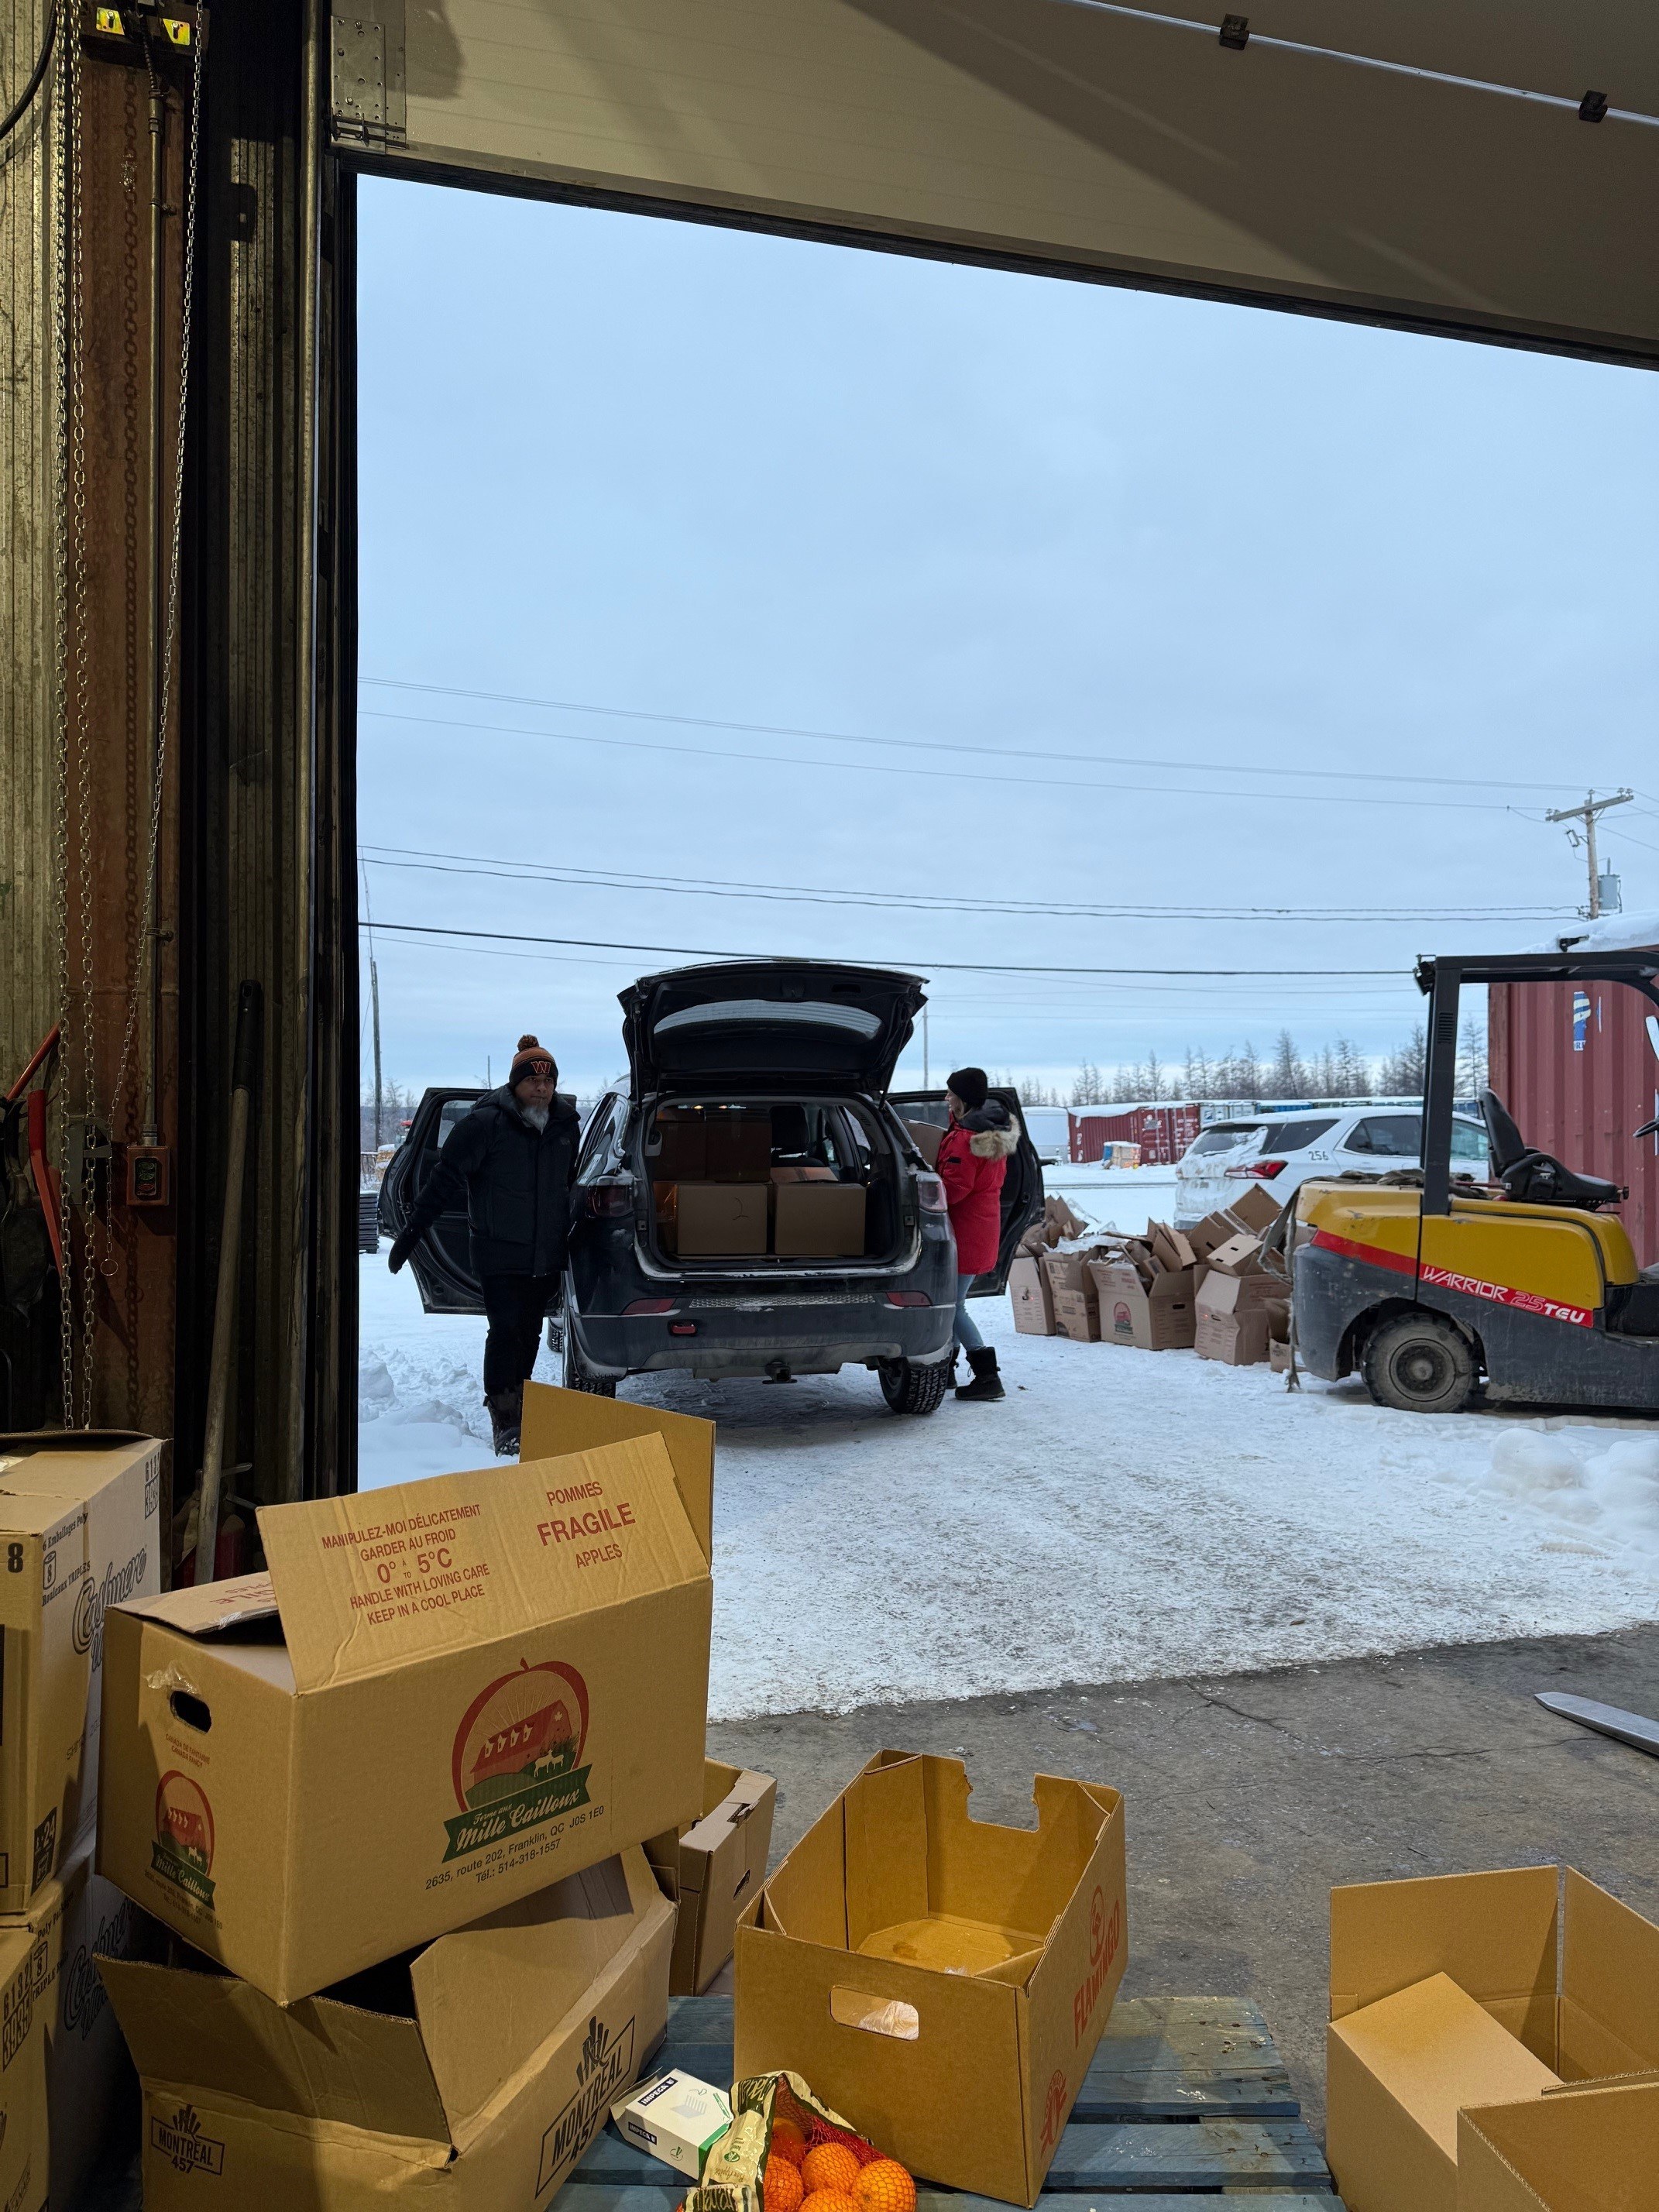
[(1420, 1363), (911, 1389), (576, 1376)]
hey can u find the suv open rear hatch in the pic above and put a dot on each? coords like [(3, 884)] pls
[(770, 1022)]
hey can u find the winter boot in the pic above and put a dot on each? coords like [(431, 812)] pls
[(505, 1412), (986, 1389)]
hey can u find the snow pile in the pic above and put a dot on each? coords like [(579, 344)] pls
[(1608, 932), (1604, 1494)]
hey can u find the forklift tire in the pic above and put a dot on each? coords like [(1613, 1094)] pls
[(576, 1377), (910, 1390), (1418, 1362)]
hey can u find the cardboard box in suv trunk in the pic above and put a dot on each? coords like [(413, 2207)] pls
[(442, 1697), (712, 1869), (474, 2074), (1465, 1990), (942, 1981)]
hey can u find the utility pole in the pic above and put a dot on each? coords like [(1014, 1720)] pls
[(374, 997), (1587, 814), (926, 1077)]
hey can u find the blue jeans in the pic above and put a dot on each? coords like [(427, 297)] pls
[(966, 1331)]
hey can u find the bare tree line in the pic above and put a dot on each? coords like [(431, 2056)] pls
[(1338, 1070)]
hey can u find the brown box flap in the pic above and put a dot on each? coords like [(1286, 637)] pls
[(1609, 2021), (1574, 2150), (557, 1421), (488, 1997), (321, 2059), (207, 1611), (355, 1576)]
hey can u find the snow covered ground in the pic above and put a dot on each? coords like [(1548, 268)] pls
[(1124, 1514)]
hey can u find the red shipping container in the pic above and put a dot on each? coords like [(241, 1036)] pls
[(1577, 1066), (1163, 1129)]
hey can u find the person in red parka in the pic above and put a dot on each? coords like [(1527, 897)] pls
[(973, 1159)]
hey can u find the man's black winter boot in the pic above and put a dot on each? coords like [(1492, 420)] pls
[(505, 1413), (986, 1389)]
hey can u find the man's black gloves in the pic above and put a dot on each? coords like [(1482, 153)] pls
[(402, 1249)]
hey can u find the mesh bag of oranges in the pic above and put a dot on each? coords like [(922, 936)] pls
[(784, 2152)]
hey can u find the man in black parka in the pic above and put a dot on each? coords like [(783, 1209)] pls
[(514, 1156)]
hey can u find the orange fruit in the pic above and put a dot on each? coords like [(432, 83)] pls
[(780, 2185), (829, 2200), (788, 2142), (885, 2186), (831, 2170)]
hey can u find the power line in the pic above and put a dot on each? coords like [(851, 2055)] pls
[(999, 751), (973, 967), (956, 775), (491, 866)]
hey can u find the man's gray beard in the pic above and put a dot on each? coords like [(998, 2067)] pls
[(536, 1115)]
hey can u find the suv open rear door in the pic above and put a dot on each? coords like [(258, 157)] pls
[(1022, 1187), (442, 1264)]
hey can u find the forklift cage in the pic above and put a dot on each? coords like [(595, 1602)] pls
[(1441, 982)]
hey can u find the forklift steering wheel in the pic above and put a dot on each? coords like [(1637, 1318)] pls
[(1648, 1129)]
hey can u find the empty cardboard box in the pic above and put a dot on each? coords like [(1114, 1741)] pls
[(715, 1220), (1562, 1973), (941, 1979), (821, 1218), (440, 1697), (712, 1867), (1155, 1316), (1032, 1299), (1574, 2150), (1231, 1317), (475, 2074), (80, 1518)]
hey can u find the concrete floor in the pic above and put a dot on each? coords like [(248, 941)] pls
[(1249, 1796)]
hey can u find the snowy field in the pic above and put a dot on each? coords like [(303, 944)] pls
[(1123, 1514)]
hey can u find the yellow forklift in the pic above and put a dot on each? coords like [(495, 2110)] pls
[(1525, 1287)]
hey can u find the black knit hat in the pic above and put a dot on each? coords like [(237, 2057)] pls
[(970, 1086), (531, 1058)]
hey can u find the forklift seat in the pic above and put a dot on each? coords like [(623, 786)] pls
[(1535, 1176)]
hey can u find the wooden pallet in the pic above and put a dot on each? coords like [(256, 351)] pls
[(1186, 2099)]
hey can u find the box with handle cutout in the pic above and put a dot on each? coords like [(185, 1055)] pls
[(944, 1979)]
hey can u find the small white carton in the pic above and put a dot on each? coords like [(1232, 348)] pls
[(676, 2118)]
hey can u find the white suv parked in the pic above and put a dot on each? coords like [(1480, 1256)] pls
[(1286, 1151)]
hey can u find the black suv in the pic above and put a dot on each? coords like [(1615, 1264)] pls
[(809, 1047)]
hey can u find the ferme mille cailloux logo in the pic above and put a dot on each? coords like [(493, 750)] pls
[(183, 1851), (517, 1759)]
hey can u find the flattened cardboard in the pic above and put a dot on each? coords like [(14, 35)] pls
[(1032, 1299), (1578, 2150), (80, 1520), (71, 1922), (720, 1220), (25, 2000), (1593, 2017), (882, 1961), (821, 1219), (483, 2069), (1159, 1316), (478, 1684), (1399, 2072), (713, 1868)]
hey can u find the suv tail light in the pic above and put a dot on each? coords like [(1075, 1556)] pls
[(609, 1201), (931, 1192), (1264, 1170)]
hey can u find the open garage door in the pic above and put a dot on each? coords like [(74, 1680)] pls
[(1372, 162)]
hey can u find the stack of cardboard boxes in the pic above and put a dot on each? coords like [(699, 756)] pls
[(387, 1805), (80, 1526), (718, 1195), (1206, 1288)]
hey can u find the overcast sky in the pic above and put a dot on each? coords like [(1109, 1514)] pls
[(1118, 590)]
